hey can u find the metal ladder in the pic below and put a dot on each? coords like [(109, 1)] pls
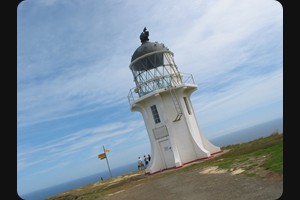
[(176, 104)]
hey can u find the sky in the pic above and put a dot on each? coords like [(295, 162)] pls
[(73, 77)]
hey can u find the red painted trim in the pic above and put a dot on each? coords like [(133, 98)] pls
[(149, 173), (197, 160), (217, 152), (211, 155)]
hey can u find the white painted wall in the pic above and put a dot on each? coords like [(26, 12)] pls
[(186, 141)]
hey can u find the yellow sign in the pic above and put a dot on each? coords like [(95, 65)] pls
[(106, 150), (102, 156)]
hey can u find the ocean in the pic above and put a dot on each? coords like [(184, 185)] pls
[(47, 192), (251, 133), (244, 135)]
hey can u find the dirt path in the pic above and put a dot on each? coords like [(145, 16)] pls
[(207, 184)]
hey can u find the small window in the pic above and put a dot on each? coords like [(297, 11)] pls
[(187, 105), (155, 114)]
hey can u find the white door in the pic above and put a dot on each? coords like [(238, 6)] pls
[(167, 152)]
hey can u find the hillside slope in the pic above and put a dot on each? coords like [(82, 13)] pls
[(252, 170)]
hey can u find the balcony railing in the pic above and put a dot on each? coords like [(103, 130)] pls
[(158, 83)]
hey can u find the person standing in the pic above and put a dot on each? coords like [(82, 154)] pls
[(149, 157), (140, 163), (146, 160)]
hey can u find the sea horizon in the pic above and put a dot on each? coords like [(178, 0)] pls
[(251, 133), (69, 185), (244, 135)]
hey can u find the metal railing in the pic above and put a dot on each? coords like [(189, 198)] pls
[(136, 92)]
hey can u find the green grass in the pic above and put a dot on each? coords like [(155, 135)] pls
[(275, 163), (265, 153), (248, 154)]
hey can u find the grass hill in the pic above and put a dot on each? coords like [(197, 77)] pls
[(261, 158)]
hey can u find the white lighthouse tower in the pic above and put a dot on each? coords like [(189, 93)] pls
[(162, 96)]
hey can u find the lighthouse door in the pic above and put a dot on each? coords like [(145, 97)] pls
[(167, 153)]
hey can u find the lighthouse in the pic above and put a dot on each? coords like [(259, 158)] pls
[(162, 95)]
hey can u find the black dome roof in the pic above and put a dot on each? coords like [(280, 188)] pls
[(147, 47)]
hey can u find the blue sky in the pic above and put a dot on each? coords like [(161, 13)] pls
[(73, 76)]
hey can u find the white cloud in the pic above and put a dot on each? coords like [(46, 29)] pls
[(74, 142), (73, 59), (241, 97)]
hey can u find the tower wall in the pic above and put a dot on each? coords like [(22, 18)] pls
[(162, 96), (183, 136)]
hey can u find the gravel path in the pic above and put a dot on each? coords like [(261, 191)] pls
[(207, 184)]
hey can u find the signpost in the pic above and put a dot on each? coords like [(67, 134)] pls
[(103, 156)]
